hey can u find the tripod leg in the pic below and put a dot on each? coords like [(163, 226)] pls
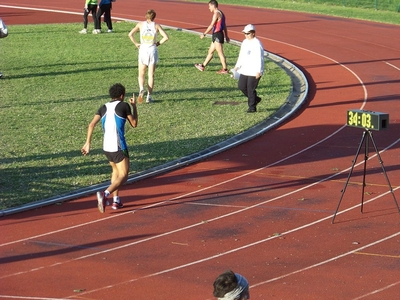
[(366, 156), (348, 177), (384, 171)]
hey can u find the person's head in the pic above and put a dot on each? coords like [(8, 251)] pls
[(225, 283), (249, 31), (116, 91), (151, 14), (212, 5)]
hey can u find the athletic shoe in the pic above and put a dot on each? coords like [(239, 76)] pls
[(251, 110), (109, 31), (117, 205), (223, 71), (83, 31), (96, 31), (199, 67), (140, 97), (1, 74), (149, 99), (101, 203)]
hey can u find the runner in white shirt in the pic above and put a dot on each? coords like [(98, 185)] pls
[(148, 53)]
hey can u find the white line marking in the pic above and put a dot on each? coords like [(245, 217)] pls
[(55, 11), (30, 298), (328, 260), (42, 9), (378, 291), (393, 66)]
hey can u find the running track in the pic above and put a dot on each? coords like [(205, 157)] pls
[(263, 209)]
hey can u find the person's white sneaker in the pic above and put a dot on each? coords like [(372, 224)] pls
[(96, 31), (109, 31), (149, 99), (83, 31)]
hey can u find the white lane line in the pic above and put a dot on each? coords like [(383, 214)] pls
[(393, 66), (379, 290), (29, 298), (54, 11), (328, 260), (42, 9)]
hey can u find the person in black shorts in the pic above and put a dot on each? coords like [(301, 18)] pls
[(113, 116), (219, 34)]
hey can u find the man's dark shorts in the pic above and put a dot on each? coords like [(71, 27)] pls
[(117, 157), (218, 37)]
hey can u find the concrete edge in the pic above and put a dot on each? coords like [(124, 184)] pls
[(294, 101)]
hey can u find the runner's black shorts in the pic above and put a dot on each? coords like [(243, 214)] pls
[(117, 157), (218, 37)]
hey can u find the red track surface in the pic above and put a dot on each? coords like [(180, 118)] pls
[(263, 209)]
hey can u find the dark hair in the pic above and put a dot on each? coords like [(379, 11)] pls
[(213, 2), (225, 283), (116, 91)]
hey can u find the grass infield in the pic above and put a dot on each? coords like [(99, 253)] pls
[(55, 79)]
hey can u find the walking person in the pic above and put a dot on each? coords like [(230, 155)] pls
[(148, 52), (231, 286), (105, 7), (90, 8), (3, 34), (113, 116), (250, 66), (219, 35)]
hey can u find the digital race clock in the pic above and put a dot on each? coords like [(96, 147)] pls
[(366, 119)]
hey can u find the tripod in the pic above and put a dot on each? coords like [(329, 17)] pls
[(366, 137)]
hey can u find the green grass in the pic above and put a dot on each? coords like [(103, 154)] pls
[(55, 79), (384, 11)]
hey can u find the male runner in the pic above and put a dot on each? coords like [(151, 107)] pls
[(219, 34), (113, 116)]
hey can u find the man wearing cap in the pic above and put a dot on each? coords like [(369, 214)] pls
[(250, 66)]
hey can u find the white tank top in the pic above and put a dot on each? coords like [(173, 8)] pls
[(148, 34)]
